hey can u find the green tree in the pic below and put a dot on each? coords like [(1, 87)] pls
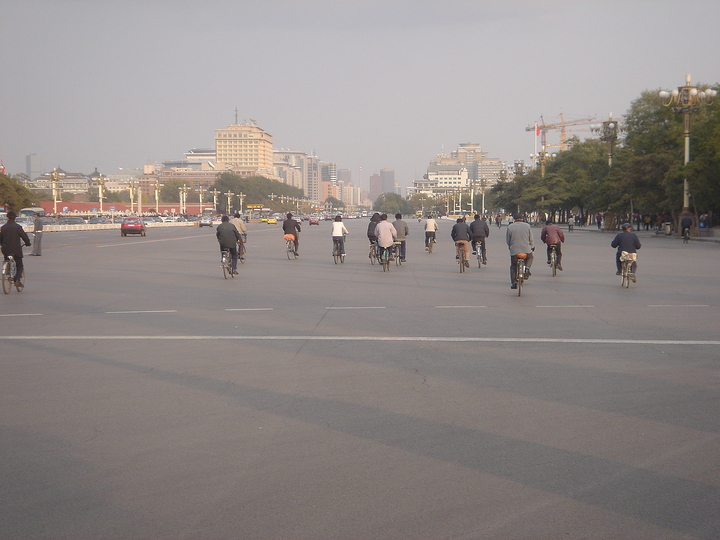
[(13, 195), (334, 203), (391, 203), (259, 190)]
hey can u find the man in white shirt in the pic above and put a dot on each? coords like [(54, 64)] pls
[(430, 227), (386, 234)]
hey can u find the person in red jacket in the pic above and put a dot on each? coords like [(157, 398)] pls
[(552, 235)]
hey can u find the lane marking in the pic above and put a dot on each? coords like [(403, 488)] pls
[(142, 311), (438, 339), (250, 309), (356, 307), (458, 307), (145, 242), (20, 314), (678, 305), (564, 306)]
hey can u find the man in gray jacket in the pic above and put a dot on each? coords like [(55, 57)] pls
[(519, 239)]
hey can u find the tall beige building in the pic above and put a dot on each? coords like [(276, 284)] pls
[(245, 149)]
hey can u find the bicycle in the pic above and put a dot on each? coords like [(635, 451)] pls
[(241, 249), (226, 264), (385, 259), (461, 257), (686, 235), (553, 260), (521, 272), (338, 255), (628, 264), (480, 260), (8, 271), (373, 255), (396, 253), (290, 248), (430, 243)]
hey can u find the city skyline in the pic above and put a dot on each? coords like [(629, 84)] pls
[(367, 85)]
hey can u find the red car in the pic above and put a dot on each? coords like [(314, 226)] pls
[(132, 225), (313, 221)]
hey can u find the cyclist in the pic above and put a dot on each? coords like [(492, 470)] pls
[(685, 224), (237, 220), (461, 235), (374, 220), (228, 237), (10, 235), (290, 226), (519, 239), (552, 235), (402, 231), (386, 235), (629, 242), (480, 231), (430, 227), (338, 233)]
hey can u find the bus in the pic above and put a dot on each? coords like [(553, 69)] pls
[(257, 214), (30, 212)]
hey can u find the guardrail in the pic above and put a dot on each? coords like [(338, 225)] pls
[(110, 226)]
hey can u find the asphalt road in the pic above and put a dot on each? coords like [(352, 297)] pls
[(143, 396)]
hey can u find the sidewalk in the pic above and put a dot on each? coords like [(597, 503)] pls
[(644, 234)]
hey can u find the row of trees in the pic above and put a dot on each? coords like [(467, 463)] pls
[(647, 168)]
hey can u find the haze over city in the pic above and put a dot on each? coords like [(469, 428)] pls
[(365, 84)]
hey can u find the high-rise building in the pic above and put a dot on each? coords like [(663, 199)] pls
[(388, 180), (245, 149), (33, 166), (291, 168), (376, 187), (312, 176), (328, 172)]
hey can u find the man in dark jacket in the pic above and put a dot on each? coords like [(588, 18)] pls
[(228, 237), (626, 241), (290, 226), (480, 231), (461, 235), (10, 235)]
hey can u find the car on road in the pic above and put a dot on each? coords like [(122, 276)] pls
[(132, 225), (74, 220), (313, 221), (272, 221), (26, 223), (205, 221)]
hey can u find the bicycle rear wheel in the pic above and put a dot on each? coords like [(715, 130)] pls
[(553, 262), (625, 274), (372, 255), (430, 245), (520, 277), (290, 250), (6, 283), (224, 264)]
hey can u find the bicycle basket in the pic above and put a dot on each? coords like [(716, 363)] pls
[(625, 256)]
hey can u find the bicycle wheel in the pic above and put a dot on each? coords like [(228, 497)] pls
[(224, 264), (6, 283), (336, 254), (430, 245), (479, 259), (385, 257), (342, 258), (520, 277), (372, 254), (398, 260), (625, 274), (290, 249), (553, 262)]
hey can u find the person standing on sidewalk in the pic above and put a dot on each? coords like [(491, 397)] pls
[(37, 236)]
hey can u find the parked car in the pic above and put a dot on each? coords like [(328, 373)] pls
[(132, 225), (71, 220), (313, 221), (118, 219), (47, 220), (95, 220), (26, 223), (205, 221)]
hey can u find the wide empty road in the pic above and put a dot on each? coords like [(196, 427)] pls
[(143, 396)]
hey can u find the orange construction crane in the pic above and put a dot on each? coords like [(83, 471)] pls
[(542, 128)]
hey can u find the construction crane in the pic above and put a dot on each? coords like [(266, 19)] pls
[(542, 128)]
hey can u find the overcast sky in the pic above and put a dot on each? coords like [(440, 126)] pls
[(363, 83)]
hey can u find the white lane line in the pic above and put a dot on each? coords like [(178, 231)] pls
[(356, 307), (679, 305), (20, 314), (458, 307), (144, 242), (250, 309), (564, 306), (439, 339), (142, 311)]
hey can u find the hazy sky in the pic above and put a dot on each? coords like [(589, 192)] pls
[(363, 83)]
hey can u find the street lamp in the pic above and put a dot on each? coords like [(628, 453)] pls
[(183, 198), (687, 100), (101, 190), (541, 159), (55, 180), (608, 132), (157, 185), (200, 191), (241, 196), (215, 194), (229, 196), (132, 185)]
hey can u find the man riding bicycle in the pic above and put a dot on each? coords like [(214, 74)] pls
[(461, 235), (480, 231), (519, 239), (628, 242), (431, 227), (228, 237), (685, 225), (10, 235), (552, 235), (242, 229), (292, 227), (386, 235)]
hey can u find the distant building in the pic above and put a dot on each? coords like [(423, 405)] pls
[(33, 166), (76, 183), (244, 149), (376, 187), (387, 177), (466, 168), (291, 168)]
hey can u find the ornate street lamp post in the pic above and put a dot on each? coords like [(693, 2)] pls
[(241, 196), (229, 196), (183, 198), (132, 185), (687, 100), (215, 194), (55, 180), (101, 190), (608, 132), (157, 185)]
